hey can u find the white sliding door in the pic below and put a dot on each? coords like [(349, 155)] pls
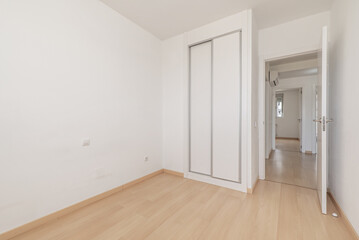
[(201, 108), (226, 107)]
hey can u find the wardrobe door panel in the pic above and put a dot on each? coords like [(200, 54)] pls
[(200, 108), (226, 107)]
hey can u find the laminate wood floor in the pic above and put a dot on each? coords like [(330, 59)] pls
[(288, 165), (171, 207), (291, 145)]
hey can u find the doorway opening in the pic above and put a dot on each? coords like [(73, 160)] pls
[(288, 124), (290, 133)]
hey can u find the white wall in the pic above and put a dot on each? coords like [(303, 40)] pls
[(173, 104), (297, 35), (269, 123), (255, 134), (288, 125), (294, 37), (70, 70), (344, 89)]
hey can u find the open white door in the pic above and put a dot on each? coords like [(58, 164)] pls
[(300, 97), (322, 120)]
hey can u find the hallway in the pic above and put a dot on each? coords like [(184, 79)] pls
[(288, 165)]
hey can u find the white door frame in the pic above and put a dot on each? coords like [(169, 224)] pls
[(261, 92), (322, 128)]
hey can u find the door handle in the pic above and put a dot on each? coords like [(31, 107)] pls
[(324, 121), (329, 120)]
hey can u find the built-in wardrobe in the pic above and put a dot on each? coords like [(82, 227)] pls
[(215, 94)]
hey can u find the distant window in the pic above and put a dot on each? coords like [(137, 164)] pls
[(279, 105)]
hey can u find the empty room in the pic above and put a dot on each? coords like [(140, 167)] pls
[(178, 119)]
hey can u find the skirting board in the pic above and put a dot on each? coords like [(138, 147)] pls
[(341, 213), (287, 138), (251, 190), (173, 172), (56, 215)]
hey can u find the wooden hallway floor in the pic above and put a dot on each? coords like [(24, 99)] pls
[(171, 207), (288, 165)]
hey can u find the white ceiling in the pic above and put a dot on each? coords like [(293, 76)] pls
[(167, 18)]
